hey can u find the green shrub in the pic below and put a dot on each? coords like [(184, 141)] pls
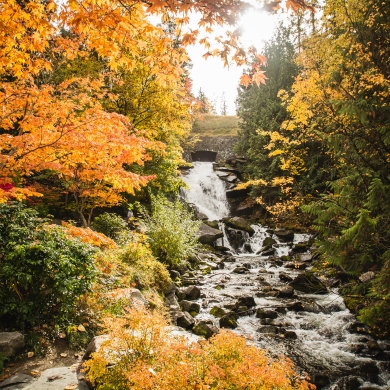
[(111, 225), (171, 231), (42, 271)]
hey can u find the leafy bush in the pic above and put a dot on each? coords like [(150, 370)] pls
[(111, 225), (171, 231), (143, 356), (42, 271), (132, 265)]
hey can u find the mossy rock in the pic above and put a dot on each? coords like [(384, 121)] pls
[(268, 242), (228, 321), (205, 329), (239, 224), (217, 312), (213, 224)]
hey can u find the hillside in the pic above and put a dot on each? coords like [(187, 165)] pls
[(216, 125)]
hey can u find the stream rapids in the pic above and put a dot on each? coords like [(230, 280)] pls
[(324, 342)]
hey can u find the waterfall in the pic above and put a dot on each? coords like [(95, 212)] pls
[(207, 191)]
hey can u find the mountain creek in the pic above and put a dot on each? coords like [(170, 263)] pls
[(261, 286)]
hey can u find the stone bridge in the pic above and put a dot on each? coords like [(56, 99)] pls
[(212, 149)]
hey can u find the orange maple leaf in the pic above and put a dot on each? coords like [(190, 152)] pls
[(261, 59), (245, 80), (259, 77)]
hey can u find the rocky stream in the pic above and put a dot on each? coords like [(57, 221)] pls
[(260, 285)]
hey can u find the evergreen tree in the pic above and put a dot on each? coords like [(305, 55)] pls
[(260, 109)]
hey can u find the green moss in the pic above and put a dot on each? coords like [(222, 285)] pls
[(217, 312)]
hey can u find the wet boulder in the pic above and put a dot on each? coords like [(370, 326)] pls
[(205, 329), (191, 307), (185, 320), (305, 257), (217, 311), (234, 194), (266, 251), (285, 277), (207, 234), (349, 383), (296, 265), (286, 292), (320, 380), (266, 313), (239, 223), (271, 329), (236, 237), (300, 248), (190, 293), (240, 270), (247, 301), (285, 235), (309, 283), (268, 242), (290, 335), (228, 321), (244, 311)]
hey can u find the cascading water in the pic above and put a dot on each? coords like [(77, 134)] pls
[(206, 191), (315, 334)]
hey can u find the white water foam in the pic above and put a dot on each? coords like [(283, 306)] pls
[(207, 191)]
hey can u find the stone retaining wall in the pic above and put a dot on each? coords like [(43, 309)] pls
[(223, 145)]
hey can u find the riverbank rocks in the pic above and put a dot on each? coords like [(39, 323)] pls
[(305, 257), (296, 265), (309, 283), (266, 313), (239, 223), (240, 270), (191, 307), (207, 234), (228, 321), (190, 293), (290, 335), (217, 311), (285, 278), (205, 328), (247, 301), (11, 343), (285, 235), (285, 292), (185, 320)]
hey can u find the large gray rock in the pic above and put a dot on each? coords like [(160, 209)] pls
[(11, 343), (285, 235), (190, 293), (309, 283), (185, 320), (95, 345), (207, 235), (239, 223), (17, 381), (57, 378)]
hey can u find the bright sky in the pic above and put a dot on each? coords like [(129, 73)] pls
[(212, 77)]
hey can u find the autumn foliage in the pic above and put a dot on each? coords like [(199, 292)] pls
[(142, 355)]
